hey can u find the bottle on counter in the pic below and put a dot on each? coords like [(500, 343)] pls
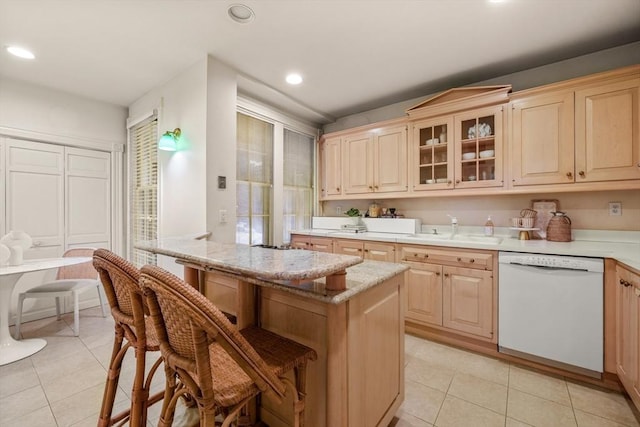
[(488, 227)]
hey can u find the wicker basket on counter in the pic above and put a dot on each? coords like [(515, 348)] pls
[(559, 228)]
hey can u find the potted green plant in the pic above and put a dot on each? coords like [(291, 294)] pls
[(354, 213)]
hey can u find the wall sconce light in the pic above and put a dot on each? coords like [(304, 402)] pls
[(169, 141)]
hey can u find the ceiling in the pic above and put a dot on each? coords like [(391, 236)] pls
[(354, 55)]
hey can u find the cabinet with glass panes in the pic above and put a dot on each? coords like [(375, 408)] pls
[(433, 154), (478, 148)]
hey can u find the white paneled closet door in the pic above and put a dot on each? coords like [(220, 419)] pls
[(88, 198), (35, 195), (87, 207), (60, 196)]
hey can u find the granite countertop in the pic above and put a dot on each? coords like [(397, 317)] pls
[(589, 244), (296, 271), (360, 277), (255, 262)]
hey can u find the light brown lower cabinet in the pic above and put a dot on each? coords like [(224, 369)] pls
[(358, 378), (451, 290), (375, 251), (628, 331), (311, 243)]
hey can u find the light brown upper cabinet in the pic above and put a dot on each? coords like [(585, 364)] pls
[(608, 132), (375, 161), (462, 147), (579, 131), (542, 144), (331, 167)]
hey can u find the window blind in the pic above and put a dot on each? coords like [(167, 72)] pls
[(144, 189)]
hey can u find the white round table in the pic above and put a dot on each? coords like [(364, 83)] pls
[(12, 350)]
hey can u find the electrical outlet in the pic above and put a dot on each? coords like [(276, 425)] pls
[(222, 216), (615, 208), (338, 210)]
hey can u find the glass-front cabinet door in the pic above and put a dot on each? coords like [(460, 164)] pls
[(478, 148), (433, 154)]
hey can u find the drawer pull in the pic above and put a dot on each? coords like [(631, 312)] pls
[(459, 259), (472, 260), (569, 175)]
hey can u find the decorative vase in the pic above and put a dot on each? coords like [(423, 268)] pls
[(17, 241), (5, 253)]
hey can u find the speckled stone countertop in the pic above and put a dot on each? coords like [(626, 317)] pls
[(360, 277), (296, 271)]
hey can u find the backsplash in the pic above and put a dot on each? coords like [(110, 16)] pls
[(587, 210)]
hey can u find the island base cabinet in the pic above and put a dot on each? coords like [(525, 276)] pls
[(628, 332), (358, 378)]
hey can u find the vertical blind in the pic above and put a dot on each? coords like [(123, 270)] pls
[(254, 178), (298, 168), (144, 189)]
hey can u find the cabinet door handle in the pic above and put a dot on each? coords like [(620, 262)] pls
[(581, 173), (449, 182), (459, 259), (366, 250), (457, 181), (437, 273), (472, 260), (446, 274), (370, 188), (375, 186), (338, 189), (569, 175), (425, 255)]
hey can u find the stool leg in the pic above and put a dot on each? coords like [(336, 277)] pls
[(76, 313), (113, 377), (19, 316)]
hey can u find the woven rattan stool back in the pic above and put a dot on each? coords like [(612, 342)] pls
[(120, 279), (208, 357)]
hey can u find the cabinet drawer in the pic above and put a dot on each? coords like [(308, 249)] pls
[(454, 257)]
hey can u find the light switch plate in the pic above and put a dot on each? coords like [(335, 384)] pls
[(615, 208)]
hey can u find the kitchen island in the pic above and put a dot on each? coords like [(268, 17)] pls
[(350, 311)]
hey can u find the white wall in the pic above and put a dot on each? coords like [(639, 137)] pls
[(222, 101), (181, 102), (55, 116)]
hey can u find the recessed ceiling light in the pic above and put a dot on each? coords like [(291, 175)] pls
[(241, 13), (20, 52), (294, 79)]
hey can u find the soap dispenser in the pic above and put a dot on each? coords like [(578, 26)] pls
[(488, 227)]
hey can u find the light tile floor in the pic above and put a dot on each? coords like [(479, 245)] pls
[(62, 385)]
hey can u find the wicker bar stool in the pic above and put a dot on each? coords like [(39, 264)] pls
[(206, 357), (121, 285)]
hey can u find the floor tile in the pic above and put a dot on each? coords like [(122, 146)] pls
[(481, 392), (439, 355), (459, 413), (50, 369), (17, 376), (407, 420), (421, 401), (22, 403), (64, 386), (36, 418), (540, 385), (510, 422), (430, 375), (537, 411), (79, 406), (589, 420), (606, 404), (485, 367)]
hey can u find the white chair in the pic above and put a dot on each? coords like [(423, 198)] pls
[(71, 280)]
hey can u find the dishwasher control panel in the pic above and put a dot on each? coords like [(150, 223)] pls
[(552, 261)]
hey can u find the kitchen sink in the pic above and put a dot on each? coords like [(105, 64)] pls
[(462, 238)]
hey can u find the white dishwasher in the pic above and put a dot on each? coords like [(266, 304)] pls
[(550, 310)]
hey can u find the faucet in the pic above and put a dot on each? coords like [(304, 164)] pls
[(454, 225), (435, 230)]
